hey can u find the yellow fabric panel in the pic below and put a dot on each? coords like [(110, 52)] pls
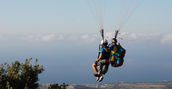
[(112, 59), (115, 49)]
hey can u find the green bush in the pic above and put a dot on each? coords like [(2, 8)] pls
[(57, 86), (20, 75)]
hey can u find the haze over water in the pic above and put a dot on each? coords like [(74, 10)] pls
[(64, 36)]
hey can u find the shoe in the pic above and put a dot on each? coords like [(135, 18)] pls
[(100, 78), (96, 75), (97, 79)]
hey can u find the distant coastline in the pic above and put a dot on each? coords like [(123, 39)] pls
[(119, 85)]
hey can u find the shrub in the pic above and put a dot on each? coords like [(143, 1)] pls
[(20, 75), (57, 86)]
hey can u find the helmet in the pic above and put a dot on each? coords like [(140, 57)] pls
[(114, 40), (104, 41)]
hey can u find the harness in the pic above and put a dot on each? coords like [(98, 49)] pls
[(117, 56), (105, 55)]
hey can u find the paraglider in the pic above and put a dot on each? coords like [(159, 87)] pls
[(111, 53), (102, 61)]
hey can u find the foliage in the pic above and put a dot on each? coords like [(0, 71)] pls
[(57, 86), (20, 75)]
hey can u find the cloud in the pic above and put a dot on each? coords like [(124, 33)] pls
[(3, 37), (167, 39), (133, 36), (139, 36), (60, 37), (89, 37), (28, 38), (73, 37), (85, 36), (92, 38), (42, 37), (48, 37)]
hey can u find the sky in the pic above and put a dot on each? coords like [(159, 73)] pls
[(64, 36)]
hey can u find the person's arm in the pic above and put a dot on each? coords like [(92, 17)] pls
[(100, 56)]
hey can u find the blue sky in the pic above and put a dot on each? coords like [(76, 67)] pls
[(64, 36)]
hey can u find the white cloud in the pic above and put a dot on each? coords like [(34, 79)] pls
[(48, 37), (89, 37), (139, 36), (73, 37), (4, 37), (109, 35), (28, 38), (133, 36), (85, 36), (60, 37), (167, 39), (42, 37)]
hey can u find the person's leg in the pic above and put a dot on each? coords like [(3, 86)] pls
[(102, 63), (106, 68), (100, 67), (94, 66), (100, 71)]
